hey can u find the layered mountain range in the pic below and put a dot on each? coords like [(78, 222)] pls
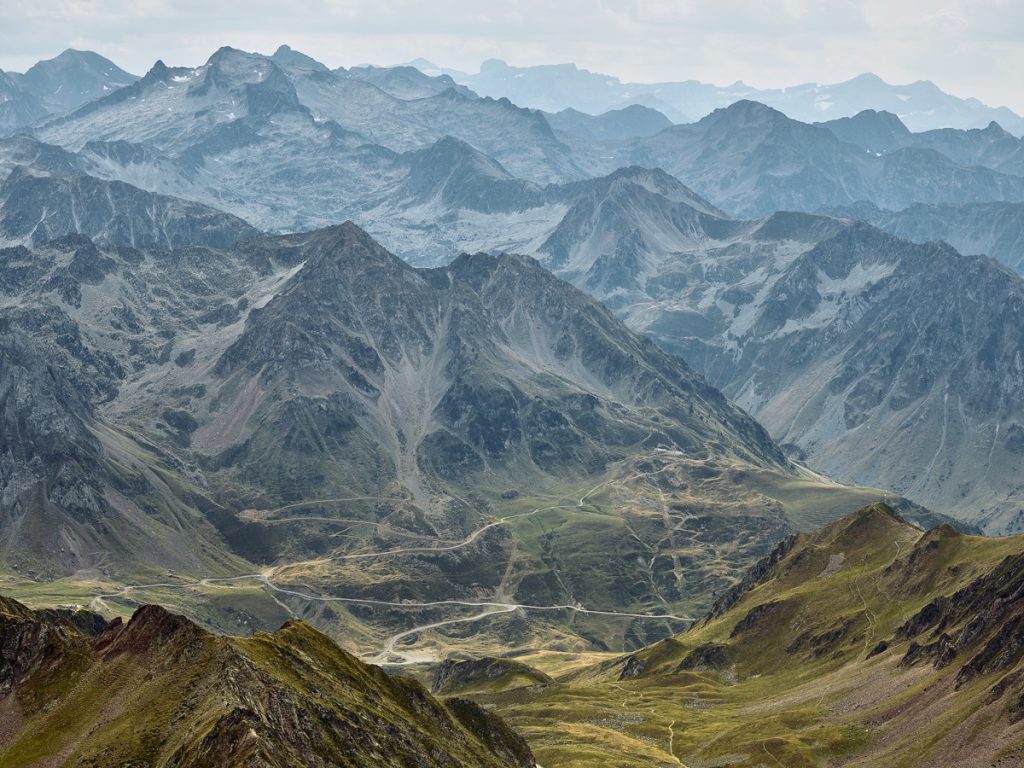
[(922, 105), (554, 385), (621, 237), (786, 315), (373, 434), (334, 143), (632, 239)]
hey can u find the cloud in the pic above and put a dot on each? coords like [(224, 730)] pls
[(969, 47)]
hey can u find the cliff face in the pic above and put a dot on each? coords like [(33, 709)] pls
[(159, 691)]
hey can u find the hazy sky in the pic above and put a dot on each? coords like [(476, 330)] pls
[(968, 47)]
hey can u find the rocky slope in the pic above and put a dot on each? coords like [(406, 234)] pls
[(18, 108), (485, 674), (866, 348), (311, 414), (36, 206), (882, 132), (73, 78), (752, 160), (786, 314), (865, 643), (828, 332), (993, 229), (489, 370), (76, 495), (159, 690)]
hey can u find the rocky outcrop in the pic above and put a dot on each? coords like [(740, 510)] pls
[(487, 673), (756, 574), (982, 623)]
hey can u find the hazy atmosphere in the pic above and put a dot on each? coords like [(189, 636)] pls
[(967, 47), (511, 385)]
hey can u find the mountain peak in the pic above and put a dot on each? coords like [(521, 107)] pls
[(995, 129), (867, 78), (259, 80), (288, 57), (458, 175), (421, 64), (158, 73), (751, 108), (346, 243), (73, 78), (882, 116), (227, 54), (151, 627), (494, 65), (451, 152), (745, 112)]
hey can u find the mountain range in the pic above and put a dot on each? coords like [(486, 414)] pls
[(921, 105), (614, 236), (336, 142), (784, 314), (514, 388), (621, 236), (749, 160), (341, 433)]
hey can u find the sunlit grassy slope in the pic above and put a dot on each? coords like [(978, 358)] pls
[(810, 665)]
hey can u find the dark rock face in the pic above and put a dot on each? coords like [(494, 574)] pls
[(985, 619), (26, 642), (634, 667), (494, 733), (64, 358), (50, 458), (755, 617), (705, 657), (817, 644)]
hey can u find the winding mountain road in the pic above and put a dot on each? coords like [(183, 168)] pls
[(388, 655)]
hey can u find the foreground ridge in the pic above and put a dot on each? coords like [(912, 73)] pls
[(159, 691)]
